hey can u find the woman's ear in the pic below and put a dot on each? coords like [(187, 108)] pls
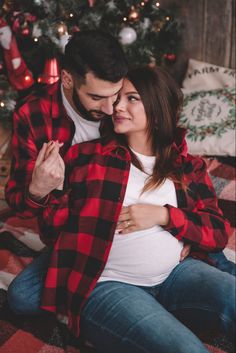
[(66, 79)]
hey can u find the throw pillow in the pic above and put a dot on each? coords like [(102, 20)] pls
[(209, 117), (205, 76)]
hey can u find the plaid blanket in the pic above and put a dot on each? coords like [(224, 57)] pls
[(20, 243)]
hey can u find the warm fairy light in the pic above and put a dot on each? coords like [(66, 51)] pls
[(157, 4), (71, 15), (125, 19), (36, 39), (2, 104), (27, 78), (167, 18), (142, 3)]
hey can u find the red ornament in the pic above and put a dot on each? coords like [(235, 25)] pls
[(170, 57), (25, 31), (75, 29), (22, 22), (51, 73), (91, 3)]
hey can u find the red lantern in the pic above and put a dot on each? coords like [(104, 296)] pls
[(51, 72)]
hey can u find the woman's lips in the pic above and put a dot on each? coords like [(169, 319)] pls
[(120, 119)]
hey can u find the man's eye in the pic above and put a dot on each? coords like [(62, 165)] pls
[(96, 98)]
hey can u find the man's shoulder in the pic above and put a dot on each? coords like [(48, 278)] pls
[(40, 95)]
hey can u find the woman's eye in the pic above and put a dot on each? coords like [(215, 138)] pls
[(132, 98)]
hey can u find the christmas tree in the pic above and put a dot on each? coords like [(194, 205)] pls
[(33, 35)]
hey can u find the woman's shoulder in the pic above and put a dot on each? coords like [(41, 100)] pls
[(193, 164)]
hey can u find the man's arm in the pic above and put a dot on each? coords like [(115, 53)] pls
[(27, 168)]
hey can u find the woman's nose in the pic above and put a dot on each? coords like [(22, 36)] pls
[(119, 105)]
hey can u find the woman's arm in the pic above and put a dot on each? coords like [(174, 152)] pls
[(200, 224), (203, 225)]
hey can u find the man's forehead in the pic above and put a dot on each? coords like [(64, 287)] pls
[(96, 86)]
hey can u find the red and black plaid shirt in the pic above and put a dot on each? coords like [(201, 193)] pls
[(39, 119), (81, 221)]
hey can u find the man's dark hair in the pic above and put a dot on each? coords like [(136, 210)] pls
[(96, 51)]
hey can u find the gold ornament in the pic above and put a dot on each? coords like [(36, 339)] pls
[(157, 25), (134, 14), (7, 6), (62, 29)]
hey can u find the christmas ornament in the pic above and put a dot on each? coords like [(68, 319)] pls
[(134, 14), (22, 23), (50, 73), (91, 3), (75, 29), (127, 35), (157, 25), (19, 75), (62, 29), (7, 6), (170, 57)]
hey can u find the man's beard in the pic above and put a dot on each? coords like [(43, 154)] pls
[(87, 114)]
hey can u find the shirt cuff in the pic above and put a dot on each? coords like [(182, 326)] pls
[(36, 204)]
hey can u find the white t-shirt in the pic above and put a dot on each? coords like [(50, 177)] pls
[(84, 130), (148, 256)]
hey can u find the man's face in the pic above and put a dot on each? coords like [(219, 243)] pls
[(94, 99)]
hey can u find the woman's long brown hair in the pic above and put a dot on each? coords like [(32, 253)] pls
[(162, 99)]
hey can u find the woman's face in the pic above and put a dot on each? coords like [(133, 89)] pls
[(129, 116)]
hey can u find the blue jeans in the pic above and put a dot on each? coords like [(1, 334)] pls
[(25, 291), (222, 263), (119, 317)]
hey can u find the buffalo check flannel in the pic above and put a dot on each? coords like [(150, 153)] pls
[(40, 118), (81, 220)]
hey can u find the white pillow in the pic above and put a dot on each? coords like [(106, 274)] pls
[(209, 117), (205, 76)]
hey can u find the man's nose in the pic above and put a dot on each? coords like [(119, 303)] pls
[(107, 107)]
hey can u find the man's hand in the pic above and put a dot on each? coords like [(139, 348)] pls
[(49, 171), (142, 216), (185, 252)]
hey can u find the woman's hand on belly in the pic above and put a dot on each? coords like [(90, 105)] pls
[(141, 216)]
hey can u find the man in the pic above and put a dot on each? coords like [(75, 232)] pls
[(69, 112), (93, 68)]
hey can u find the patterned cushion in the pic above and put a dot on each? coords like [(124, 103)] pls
[(209, 117)]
